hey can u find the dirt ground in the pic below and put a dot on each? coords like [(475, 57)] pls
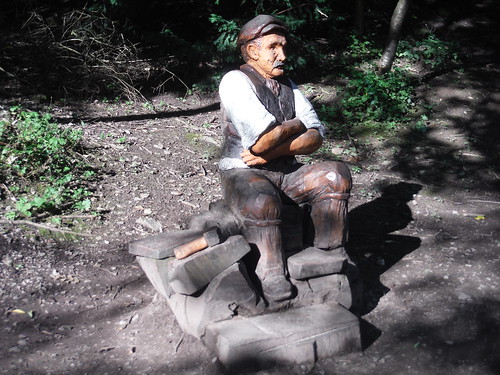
[(425, 224)]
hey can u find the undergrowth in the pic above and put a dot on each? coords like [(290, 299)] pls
[(41, 168), (370, 97), (372, 102)]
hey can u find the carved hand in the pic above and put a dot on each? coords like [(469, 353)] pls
[(251, 159), (277, 135)]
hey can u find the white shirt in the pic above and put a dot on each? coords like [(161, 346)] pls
[(250, 117)]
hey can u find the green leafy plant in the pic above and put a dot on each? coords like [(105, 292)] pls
[(382, 102), (372, 97), (361, 49), (356, 169), (148, 106), (378, 102), (431, 50), (40, 165), (421, 124), (227, 35)]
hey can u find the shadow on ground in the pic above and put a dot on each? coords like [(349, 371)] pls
[(459, 144), (145, 116), (466, 338), (371, 244)]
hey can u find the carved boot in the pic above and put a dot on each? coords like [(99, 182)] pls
[(328, 255), (270, 267)]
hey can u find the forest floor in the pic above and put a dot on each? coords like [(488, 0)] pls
[(425, 224)]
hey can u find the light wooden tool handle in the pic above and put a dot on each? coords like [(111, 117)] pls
[(191, 247)]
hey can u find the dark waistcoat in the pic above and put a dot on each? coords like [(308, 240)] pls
[(282, 107)]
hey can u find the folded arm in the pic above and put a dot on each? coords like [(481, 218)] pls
[(277, 135), (289, 138)]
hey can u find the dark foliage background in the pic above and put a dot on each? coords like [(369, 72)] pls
[(134, 49), (96, 47)]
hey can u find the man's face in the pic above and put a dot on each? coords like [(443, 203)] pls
[(268, 55)]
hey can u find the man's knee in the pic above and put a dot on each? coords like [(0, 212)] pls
[(337, 176), (253, 197), (260, 207), (331, 176)]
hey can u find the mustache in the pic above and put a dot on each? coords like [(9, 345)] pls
[(278, 64)]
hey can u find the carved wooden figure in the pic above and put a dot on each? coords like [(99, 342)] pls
[(266, 122), (262, 277)]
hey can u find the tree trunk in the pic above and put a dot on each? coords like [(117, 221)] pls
[(397, 20), (359, 17)]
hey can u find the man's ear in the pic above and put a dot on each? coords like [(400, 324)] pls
[(253, 51)]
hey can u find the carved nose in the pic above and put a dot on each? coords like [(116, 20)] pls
[(282, 56)]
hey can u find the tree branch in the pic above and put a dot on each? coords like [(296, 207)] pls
[(42, 226)]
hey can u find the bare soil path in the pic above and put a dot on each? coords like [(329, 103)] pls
[(425, 231)]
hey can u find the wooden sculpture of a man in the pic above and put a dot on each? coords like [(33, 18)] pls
[(266, 122)]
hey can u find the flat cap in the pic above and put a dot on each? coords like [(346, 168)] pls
[(261, 25)]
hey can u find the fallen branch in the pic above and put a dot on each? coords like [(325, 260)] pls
[(179, 343), (42, 226), (8, 73), (481, 201), (77, 216), (172, 76), (9, 193)]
